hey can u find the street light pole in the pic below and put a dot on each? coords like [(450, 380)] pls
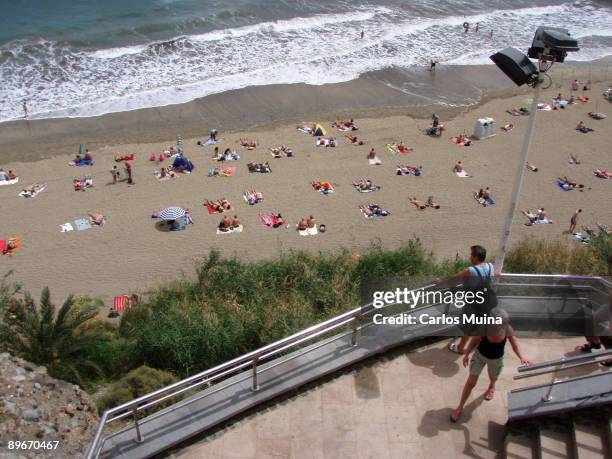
[(518, 180)]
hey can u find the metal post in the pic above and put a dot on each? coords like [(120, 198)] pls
[(518, 180), (255, 386), (355, 325), (139, 438)]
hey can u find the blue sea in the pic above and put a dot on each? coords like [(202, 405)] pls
[(89, 57)]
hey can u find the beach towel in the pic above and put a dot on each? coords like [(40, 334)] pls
[(304, 129), (64, 228), (269, 220), (82, 162), (374, 162), (484, 202), (231, 231), (383, 213), (463, 174), (121, 303), (9, 182), (211, 142), (544, 107), (38, 188), (17, 246), (309, 232), (82, 224)]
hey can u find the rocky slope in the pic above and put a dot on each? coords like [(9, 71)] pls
[(36, 407)]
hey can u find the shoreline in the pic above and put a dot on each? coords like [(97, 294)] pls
[(414, 92)]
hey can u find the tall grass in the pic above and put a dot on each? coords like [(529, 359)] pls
[(232, 307), (546, 256)]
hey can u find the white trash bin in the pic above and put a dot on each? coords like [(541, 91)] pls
[(484, 128)]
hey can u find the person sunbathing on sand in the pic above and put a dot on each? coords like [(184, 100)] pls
[(409, 170), (373, 210), (11, 175), (431, 203), (573, 159), (311, 222), (458, 167), (324, 187), (353, 139), (225, 224), (220, 206), (531, 167), (568, 183), (249, 144), (278, 221), (582, 128), (419, 205), (302, 225), (372, 155), (364, 184), (97, 219), (235, 223), (11, 244), (602, 173)]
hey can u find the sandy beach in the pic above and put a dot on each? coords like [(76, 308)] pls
[(130, 255)]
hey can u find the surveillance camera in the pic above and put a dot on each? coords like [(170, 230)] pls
[(552, 44)]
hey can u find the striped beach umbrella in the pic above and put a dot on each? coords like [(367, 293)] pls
[(171, 213)]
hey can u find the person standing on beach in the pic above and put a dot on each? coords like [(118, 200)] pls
[(128, 171), (477, 27), (362, 34), (574, 221), (466, 27), (432, 65), (25, 108), (115, 174)]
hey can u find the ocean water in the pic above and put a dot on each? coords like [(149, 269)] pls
[(89, 57)]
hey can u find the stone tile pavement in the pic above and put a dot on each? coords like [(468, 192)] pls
[(397, 407)]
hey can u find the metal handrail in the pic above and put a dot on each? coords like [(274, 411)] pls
[(252, 359), (562, 361)]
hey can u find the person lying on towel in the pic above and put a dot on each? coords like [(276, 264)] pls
[(219, 206), (582, 128), (567, 183), (602, 173), (250, 144), (531, 167), (258, 167), (353, 139), (323, 187), (97, 219), (365, 185), (373, 210), (409, 170), (228, 224), (458, 168)]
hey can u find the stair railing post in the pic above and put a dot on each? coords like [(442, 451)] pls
[(255, 386), (355, 325), (139, 438)]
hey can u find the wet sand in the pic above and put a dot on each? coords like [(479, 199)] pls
[(130, 254)]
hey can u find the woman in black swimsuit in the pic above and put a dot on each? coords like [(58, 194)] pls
[(488, 352)]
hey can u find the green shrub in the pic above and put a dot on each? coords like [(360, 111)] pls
[(136, 383), (601, 248)]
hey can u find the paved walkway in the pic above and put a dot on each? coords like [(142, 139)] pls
[(395, 408)]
